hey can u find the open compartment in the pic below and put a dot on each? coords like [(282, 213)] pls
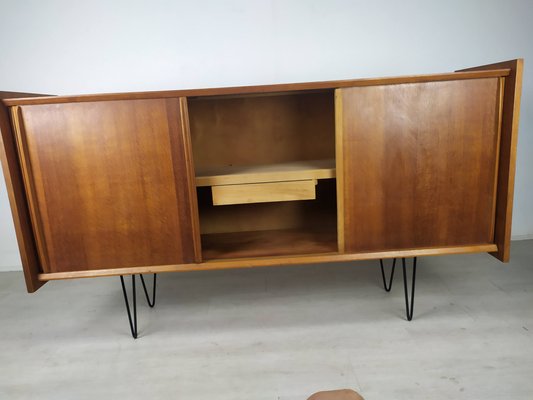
[(265, 173)]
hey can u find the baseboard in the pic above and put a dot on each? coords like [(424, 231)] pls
[(522, 237), (10, 261), (8, 268)]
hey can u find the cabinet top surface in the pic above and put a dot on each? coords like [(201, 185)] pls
[(260, 89)]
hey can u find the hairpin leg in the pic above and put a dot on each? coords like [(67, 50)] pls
[(133, 324), (409, 305), (132, 316), (150, 303), (387, 288)]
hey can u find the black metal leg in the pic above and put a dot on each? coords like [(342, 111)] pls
[(133, 319), (409, 305), (387, 288), (133, 324), (150, 303)]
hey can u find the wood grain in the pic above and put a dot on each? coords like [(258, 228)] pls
[(278, 242), (258, 131), (339, 169), (271, 215), (31, 193), (274, 261), (17, 197), (342, 394), (419, 164), (498, 128), (290, 171), (191, 177), (110, 183), (264, 88), (507, 160), (264, 192)]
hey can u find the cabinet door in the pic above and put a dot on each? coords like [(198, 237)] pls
[(110, 183), (418, 164)]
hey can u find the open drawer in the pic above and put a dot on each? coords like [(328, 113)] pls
[(266, 183), (264, 192)]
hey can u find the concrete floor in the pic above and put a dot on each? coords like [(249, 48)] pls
[(277, 333)]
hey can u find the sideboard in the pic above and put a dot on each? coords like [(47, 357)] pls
[(386, 168)]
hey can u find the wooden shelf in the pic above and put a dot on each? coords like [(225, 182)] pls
[(291, 171), (268, 243)]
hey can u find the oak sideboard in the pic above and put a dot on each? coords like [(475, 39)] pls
[(386, 168)]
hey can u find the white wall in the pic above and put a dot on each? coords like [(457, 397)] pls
[(72, 47)]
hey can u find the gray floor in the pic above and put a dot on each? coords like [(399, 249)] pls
[(277, 333)]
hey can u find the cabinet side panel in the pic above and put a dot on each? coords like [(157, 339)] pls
[(17, 199), (507, 163), (419, 164), (110, 183)]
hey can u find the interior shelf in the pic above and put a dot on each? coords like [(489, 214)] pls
[(278, 172), (277, 242), (265, 174)]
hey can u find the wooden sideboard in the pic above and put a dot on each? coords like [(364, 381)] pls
[(132, 183)]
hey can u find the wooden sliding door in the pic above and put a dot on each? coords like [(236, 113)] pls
[(110, 183), (418, 164)]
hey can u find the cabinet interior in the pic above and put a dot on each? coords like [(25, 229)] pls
[(265, 173)]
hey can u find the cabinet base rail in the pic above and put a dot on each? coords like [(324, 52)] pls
[(409, 304), (151, 303)]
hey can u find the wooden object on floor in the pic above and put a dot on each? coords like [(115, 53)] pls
[(343, 394), (225, 178)]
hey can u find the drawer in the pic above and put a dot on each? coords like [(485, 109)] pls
[(264, 192)]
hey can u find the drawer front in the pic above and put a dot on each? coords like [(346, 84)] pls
[(264, 192)]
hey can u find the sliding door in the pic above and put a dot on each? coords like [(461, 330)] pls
[(418, 164), (110, 183)]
